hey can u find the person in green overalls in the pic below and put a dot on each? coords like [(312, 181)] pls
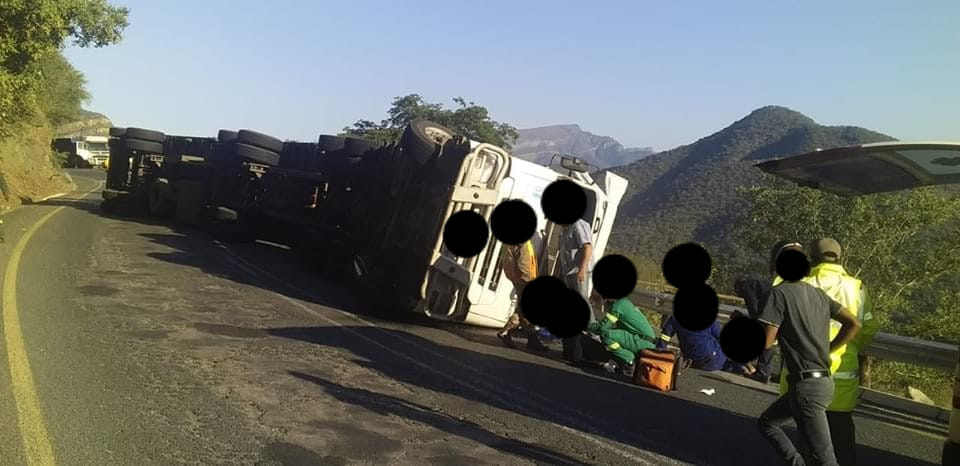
[(625, 331)]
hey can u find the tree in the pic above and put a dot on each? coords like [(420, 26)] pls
[(35, 29), (467, 119), (61, 91), (904, 245)]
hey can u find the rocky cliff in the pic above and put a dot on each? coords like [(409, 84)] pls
[(541, 144)]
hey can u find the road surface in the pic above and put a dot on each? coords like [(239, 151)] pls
[(130, 342)]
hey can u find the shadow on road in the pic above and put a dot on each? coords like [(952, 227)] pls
[(648, 420), (652, 421), (389, 405)]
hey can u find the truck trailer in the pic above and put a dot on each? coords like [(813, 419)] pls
[(370, 215)]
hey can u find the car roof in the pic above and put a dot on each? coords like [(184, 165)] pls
[(871, 168)]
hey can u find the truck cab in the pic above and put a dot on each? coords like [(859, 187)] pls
[(84, 152), (474, 290)]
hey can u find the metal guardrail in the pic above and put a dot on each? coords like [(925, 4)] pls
[(885, 346)]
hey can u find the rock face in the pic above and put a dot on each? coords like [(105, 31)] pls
[(91, 124), (541, 144)]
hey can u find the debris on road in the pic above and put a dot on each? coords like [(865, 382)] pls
[(708, 391)]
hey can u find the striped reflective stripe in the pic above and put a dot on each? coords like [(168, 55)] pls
[(533, 257), (665, 338), (613, 346), (846, 375), (612, 318)]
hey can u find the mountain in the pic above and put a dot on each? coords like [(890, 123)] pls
[(541, 144), (86, 124), (689, 193)]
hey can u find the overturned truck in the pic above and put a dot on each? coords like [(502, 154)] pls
[(368, 214)]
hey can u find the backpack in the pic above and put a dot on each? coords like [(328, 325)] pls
[(658, 369)]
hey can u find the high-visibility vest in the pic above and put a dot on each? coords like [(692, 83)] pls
[(514, 255), (845, 361)]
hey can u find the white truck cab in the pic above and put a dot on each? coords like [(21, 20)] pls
[(474, 290), (94, 150), (88, 151)]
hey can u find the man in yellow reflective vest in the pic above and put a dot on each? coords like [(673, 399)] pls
[(828, 275)]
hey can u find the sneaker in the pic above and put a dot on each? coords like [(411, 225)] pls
[(506, 339)]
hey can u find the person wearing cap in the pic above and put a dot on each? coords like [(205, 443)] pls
[(830, 276), (797, 315)]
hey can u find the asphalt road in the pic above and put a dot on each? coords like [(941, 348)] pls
[(153, 344)]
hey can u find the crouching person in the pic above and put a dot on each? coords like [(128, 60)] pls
[(625, 331), (701, 348)]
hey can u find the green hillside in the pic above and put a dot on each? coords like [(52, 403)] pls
[(689, 193)]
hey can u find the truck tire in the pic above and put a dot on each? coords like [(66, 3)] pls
[(452, 155), (422, 140), (330, 143), (225, 135), (256, 154), (356, 147), (263, 141), (143, 146), (117, 132), (144, 134)]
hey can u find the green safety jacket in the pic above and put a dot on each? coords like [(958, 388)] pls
[(625, 331), (845, 361)]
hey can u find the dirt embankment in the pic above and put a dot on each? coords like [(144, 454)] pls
[(28, 170)]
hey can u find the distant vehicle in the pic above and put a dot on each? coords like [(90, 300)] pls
[(367, 214), (84, 152), (876, 168)]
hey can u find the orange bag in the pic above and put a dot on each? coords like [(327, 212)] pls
[(657, 369)]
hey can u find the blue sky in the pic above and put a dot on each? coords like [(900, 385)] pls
[(647, 73)]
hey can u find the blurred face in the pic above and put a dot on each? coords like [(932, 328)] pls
[(789, 247)]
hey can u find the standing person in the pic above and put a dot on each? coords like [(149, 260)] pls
[(798, 315), (520, 266), (845, 362), (754, 293), (625, 331), (576, 251)]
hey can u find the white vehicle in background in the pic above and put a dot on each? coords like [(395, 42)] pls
[(474, 290), (84, 152)]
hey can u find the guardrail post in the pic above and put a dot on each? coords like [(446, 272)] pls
[(951, 447)]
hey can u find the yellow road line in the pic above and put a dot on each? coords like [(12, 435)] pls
[(33, 431)]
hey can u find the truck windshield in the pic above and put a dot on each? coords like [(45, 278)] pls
[(97, 146)]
